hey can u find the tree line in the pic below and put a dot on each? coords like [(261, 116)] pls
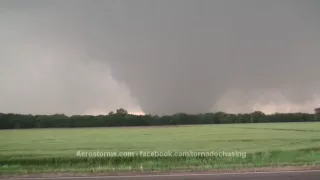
[(122, 118)]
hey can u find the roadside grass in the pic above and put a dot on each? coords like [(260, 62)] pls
[(55, 150)]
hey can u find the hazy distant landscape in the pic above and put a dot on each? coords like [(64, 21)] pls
[(121, 117)]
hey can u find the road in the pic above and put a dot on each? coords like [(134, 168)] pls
[(292, 175)]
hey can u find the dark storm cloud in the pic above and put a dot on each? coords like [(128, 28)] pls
[(173, 56)]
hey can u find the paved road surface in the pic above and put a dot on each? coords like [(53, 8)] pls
[(301, 175)]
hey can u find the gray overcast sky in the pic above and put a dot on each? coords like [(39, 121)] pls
[(159, 56)]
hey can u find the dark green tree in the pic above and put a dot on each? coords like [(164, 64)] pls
[(121, 112)]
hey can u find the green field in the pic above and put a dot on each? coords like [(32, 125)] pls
[(55, 150)]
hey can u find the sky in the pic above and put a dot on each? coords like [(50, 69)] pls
[(159, 56)]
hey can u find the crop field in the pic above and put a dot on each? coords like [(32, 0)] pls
[(57, 150)]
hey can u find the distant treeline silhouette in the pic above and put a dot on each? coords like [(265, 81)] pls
[(122, 118)]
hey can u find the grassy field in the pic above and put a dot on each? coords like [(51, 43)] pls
[(55, 150)]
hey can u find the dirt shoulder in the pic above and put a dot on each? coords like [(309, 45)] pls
[(249, 170)]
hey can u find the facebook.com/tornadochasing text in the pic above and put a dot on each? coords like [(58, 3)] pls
[(221, 154)]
